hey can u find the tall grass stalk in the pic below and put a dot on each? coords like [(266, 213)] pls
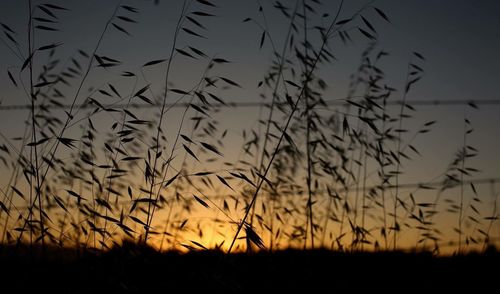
[(151, 208), (69, 114), (284, 129), (310, 217)]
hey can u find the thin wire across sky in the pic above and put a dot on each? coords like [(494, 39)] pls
[(338, 102)]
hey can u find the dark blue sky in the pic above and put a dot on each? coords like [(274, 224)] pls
[(459, 39)]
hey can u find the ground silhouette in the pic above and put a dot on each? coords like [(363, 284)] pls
[(139, 269)]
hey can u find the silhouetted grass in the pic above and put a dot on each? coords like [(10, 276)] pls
[(74, 182)]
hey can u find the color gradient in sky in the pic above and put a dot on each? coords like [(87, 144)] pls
[(452, 46)]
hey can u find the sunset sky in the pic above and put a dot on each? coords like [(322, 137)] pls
[(459, 40)]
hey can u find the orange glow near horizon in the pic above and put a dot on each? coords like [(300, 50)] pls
[(209, 227)]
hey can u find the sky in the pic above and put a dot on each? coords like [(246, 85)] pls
[(459, 39)]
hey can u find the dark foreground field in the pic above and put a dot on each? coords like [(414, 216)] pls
[(138, 270)]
